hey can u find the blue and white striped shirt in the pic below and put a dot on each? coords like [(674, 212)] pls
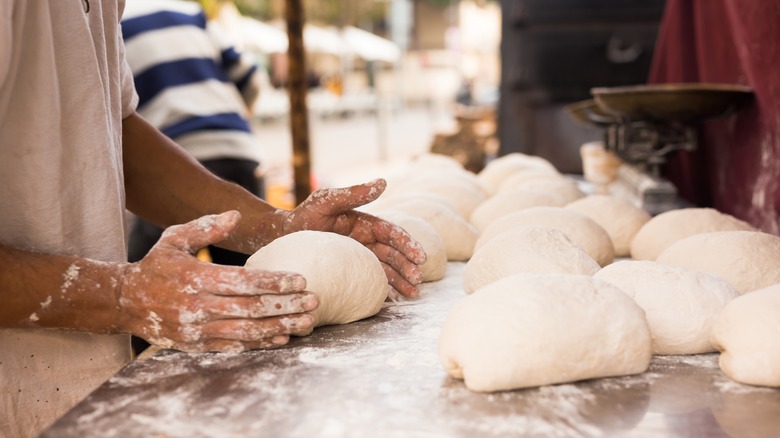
[(191, 83)]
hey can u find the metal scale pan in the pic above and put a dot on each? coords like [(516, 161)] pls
[(681, 102), (644, 124)]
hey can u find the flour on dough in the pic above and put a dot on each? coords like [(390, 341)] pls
[(526, 249), (540, 329), (680, 304), (582, 230)]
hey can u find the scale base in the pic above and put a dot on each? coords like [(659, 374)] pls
[(651, 193)]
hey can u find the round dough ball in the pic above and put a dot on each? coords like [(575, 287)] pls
[(397, 198), (582, 230), (562, 187), (747, 333), (748, 260), (346, 276), (511, 201), (620, 219), (496, 171), (663, 230), (521, 177), (540, 329), (463, 194), (436, 262), (430, 161), (459, 236), (526, 249), (680, 304)]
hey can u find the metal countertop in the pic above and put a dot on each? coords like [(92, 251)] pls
[(381, 377)]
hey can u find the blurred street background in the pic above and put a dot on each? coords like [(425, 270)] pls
[(385, 78)]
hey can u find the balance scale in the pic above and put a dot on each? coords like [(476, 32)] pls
[(644, 124)]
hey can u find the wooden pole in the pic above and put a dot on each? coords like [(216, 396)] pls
[(299, 115)]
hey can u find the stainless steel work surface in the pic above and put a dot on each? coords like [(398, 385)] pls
[(381, 377)]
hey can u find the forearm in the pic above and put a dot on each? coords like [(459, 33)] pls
[(65, 292), (166, 186)]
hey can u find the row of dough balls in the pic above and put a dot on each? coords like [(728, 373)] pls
[(463, 207), (537, 237)]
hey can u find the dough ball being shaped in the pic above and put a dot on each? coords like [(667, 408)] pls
[(346, 276), (582, 230), (526, 249), (564, 188), (511, 201), (748, 260), (539, 329), (680, 304), (620, 219), (747, 333), (459, 236), (496, 171), (436, 262), (663, 230)]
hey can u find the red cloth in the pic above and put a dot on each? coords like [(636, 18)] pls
[(736, 168)]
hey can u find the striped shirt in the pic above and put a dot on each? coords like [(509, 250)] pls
[(191, 84)]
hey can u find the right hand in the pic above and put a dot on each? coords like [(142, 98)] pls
[(173, 300)]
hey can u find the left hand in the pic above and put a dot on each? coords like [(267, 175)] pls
[(333, 210)]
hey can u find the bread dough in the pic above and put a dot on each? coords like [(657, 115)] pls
[(436, 262), (518, 178), (496, 171), (526, 249), (748, 260), (459, 236), (539, 329), (680, 304), (582, 230), (669, 227), (747, 333), (620, 219), (562, 187), (462, 193), (346, 276), (511, 201)]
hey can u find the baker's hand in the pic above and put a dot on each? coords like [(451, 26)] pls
[(173, 300), (332, 210)]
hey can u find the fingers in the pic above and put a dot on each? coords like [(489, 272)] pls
[(232, 346), (335, 201), (234, 280), (201, 232), (398, 262), (395, 237), (261, 307), (398, 283), (254, 329)]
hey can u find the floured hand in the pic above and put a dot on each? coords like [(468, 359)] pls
[(333, 210), (173, 300)]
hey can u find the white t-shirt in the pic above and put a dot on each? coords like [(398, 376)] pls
[(64, 89)]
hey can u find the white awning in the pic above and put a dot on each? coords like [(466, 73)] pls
[(369, 46), (262, 37)]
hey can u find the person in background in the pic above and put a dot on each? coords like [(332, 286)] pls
[(74, 154), (197, 89)]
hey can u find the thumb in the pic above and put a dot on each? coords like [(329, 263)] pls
[(201, 232), (337, 201)]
